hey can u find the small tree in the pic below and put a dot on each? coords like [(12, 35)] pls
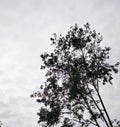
[(76, 69)]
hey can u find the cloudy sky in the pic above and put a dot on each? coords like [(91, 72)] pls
[(25, 29)]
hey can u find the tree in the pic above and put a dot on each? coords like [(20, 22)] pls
[(76, 69)]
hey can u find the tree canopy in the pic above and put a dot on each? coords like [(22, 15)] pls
[(76, 69)]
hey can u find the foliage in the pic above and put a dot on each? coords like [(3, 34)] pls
[(76, 69)]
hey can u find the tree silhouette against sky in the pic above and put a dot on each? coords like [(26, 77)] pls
[(76, 69)]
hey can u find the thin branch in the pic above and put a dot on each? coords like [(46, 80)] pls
[(90, 122), (90, 110), (103, 105), (98, 108), (100, 111)]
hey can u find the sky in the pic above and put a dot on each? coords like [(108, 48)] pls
[(25, 30)]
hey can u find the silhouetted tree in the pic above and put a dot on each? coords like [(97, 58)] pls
[(76, 69)]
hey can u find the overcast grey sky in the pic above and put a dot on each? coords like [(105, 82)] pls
[(25, 29)]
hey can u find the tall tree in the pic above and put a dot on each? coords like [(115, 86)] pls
[(76, 69)]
